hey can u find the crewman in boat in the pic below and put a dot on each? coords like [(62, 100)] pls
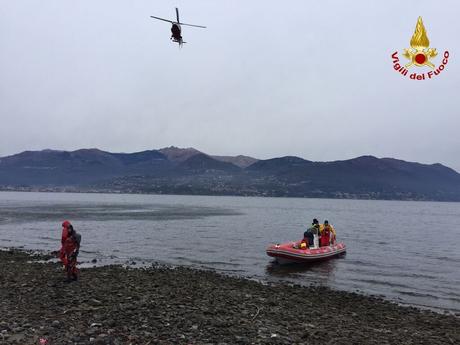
[(312, 233), (328, 234), (316, 232)]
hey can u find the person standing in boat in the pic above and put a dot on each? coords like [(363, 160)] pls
[(316, 232), (312, 233), (327, 234), (334, 235)]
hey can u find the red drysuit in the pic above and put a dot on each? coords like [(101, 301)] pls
[(70, 242), (325, 237)]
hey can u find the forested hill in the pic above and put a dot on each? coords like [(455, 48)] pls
[(174, 170)]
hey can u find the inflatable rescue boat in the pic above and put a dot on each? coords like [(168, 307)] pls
[(292, 253)]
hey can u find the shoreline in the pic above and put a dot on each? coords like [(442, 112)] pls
[(178, 305), (119, 192), (48, 257)]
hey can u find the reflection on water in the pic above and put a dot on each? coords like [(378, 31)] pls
[(316, 273), (392, 247), (323, 267)]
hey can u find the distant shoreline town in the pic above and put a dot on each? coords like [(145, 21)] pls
[(188, 171)]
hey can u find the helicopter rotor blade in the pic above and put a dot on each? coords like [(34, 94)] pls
[(177, 14), (165, 20), (196, 26)]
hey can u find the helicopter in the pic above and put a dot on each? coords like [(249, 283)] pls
[(176, 29)]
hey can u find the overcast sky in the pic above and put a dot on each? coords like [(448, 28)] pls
[(266, 78)]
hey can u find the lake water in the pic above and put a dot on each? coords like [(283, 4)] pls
[(405, 251)]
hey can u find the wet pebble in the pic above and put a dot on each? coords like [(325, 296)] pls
[(160, 305)]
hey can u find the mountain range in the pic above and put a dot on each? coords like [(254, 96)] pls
[(175, 170)]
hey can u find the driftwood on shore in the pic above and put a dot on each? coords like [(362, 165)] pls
[(114, 305)]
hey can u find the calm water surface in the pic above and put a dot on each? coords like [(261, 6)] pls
[(405, 251)]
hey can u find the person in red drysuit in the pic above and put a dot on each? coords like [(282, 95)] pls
[(326, 235), (70, 242)]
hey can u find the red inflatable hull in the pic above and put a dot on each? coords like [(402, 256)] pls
[(288, 253)]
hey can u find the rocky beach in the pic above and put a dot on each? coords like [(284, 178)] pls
[(165, 305)]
